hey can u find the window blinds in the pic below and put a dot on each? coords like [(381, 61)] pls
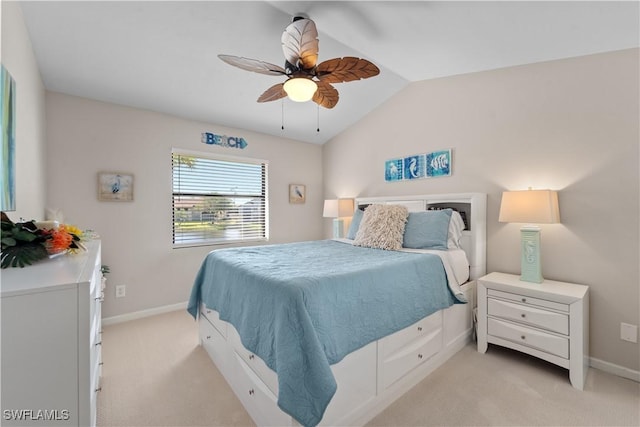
[(218, 200)]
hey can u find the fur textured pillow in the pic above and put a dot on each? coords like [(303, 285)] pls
[(382, 227)]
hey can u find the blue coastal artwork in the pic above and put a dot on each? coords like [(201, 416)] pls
[(414, 167), (418, 166), (439, 163), (393, 170), (8, 132)]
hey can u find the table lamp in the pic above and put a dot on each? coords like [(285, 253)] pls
[(530, 207), (338, 209)]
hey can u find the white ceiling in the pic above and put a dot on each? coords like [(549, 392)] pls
[(162, 56)]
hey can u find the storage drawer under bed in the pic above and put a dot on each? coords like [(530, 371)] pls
[(214, 319)]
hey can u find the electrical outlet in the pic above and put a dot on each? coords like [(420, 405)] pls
[(628, 332), (120, 291)]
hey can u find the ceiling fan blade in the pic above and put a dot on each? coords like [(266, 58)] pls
[(254, 65), (347, 69), (326, 96), (273, 93), (300, 43)]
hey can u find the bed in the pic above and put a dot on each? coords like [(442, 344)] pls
[(348, 328)]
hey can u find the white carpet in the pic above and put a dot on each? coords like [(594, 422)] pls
[(156, 374)]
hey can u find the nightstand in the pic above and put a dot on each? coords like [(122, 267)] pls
[(548, 320)]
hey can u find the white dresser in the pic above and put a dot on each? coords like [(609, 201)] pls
[(51, 340), (549, 320)]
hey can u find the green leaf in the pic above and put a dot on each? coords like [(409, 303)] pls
[(8, 241), (25, 236), (25, 254)]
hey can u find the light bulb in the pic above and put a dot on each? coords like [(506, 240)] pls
[(300, 89)]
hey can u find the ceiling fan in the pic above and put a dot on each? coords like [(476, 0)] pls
[(306, 80)]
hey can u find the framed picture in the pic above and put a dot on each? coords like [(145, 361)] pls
[(8, 136), (115, 187), (297, 193), (439, 163)]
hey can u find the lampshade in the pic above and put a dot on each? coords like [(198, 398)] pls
[(338, 208), (300, 89), (530, 206)]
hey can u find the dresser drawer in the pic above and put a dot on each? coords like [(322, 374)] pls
[(214, 319), (95, 352), (522, 299), (256, 397), (529, 337), (422, 328), (398, 364), (540, 318), (96, 297), (268, 376)]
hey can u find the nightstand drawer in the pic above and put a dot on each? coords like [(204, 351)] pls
[(544, 319), (529, 337), (522, 299)]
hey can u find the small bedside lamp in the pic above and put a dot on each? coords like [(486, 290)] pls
[(530, 207), (338, 209)]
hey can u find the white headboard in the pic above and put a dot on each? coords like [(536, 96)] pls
[(474, 206)]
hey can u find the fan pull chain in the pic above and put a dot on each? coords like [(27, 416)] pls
[(282, 120), (318, 119)]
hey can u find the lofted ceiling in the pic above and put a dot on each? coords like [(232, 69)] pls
[(162, 55)]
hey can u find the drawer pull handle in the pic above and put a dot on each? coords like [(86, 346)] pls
[(208, 337), (523, 315), (419, 356), (523, 337), (101, 363), (99, 389), (251, 392), (419, 328), (524, 300), (251, 356), (208, 311), (98, 343)]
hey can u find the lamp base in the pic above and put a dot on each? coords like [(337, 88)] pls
[(338, 228), (531, 266)]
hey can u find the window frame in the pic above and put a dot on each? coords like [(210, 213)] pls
[(223, 158)]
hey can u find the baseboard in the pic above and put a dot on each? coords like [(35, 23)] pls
[(143, 313), (618, 370)]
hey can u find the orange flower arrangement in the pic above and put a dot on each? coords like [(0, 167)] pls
[(24, 243), (60, 240), (65, 237)]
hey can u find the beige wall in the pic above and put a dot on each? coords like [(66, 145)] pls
[(86, 136), (569, 125), (18, 58)]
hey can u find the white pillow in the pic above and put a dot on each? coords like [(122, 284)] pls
[(456, 225), (382, 227)]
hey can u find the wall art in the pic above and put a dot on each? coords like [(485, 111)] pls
[(297, 193), (224, 140), (393, 170), (414, 167), (418, 166), (8, 132), (115, 187), (439, 163)]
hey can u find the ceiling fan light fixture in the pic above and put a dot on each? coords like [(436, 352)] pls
[(300, 89)]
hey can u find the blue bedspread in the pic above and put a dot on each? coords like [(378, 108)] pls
[(302, 307)]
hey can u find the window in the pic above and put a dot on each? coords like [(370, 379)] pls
[(218, 199)]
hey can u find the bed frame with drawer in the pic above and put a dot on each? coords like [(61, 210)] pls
[(374, 376)]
